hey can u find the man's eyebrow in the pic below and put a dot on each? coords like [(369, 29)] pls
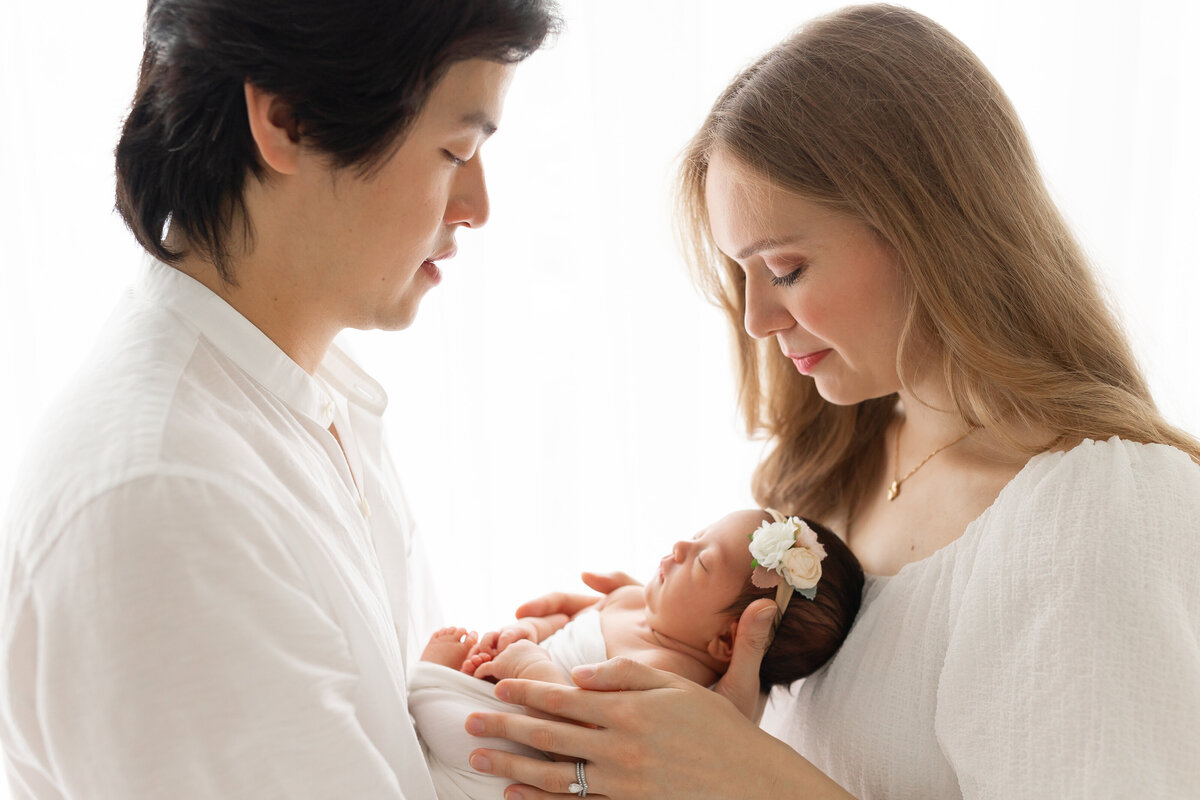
[(765, 244), (478, 119)]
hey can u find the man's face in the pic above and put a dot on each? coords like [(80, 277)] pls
[(374, 241)]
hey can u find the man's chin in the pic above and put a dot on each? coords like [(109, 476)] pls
[(393, 320)]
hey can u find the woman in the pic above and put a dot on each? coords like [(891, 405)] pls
[(943, 384)]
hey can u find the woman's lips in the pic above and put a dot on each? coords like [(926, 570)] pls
[(807, 363)]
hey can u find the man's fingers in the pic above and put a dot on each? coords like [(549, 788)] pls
[(556, 603), (605, 582), (740, 682)]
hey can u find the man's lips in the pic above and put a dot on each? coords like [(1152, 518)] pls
[(807, 362), (451, 253), (430, 267)]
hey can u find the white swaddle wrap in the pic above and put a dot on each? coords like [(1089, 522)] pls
[(440, 698)]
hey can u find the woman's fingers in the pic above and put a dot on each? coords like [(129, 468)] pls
[(752, 638), (620, 674), (554, 699), (540, 779), (664, 737), (549, 736)]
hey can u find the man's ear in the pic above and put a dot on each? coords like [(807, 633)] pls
[(720, 647), (274, 129)]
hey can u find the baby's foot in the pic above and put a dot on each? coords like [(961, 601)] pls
[(473, 662), (449, 647)]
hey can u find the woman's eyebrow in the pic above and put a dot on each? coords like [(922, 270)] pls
[(769, 243)]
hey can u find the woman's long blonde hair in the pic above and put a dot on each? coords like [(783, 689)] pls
[(879, 112)]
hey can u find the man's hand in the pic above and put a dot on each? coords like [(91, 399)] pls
[(572, 604)]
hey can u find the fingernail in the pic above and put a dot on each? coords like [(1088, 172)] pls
[(584, 672), (474, 725), (764, 615), (480, 763), (513, 794), (502, 691)]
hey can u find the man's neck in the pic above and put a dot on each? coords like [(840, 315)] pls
[(274, 303)]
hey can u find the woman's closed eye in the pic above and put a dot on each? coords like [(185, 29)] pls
[(455, 160), (790, 278)]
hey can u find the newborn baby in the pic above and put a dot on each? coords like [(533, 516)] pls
[(684, 620)]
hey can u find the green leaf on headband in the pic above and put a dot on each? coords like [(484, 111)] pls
[(809, 593)]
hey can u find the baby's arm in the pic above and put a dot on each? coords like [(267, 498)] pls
[(535, 629), (522, 659)]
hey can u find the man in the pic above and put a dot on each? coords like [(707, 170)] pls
[(206, 590)]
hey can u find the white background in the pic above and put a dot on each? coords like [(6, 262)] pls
[(565, 399)]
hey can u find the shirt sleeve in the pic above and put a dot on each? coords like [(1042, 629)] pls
[(1074, 662), (170, 646)]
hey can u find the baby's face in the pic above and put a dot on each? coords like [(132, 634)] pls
[(701, 577)]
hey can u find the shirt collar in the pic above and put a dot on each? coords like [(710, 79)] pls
[(259, 357)]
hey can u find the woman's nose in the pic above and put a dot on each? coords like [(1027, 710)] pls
[(765, 315)]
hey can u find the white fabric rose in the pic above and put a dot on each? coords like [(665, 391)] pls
[(771, 541)]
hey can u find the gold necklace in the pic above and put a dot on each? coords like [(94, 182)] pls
[(894, 489)]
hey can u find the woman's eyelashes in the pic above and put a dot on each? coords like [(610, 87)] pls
[(790, 278), (455, 160)]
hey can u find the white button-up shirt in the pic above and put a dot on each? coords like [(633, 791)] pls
[(203, 595)]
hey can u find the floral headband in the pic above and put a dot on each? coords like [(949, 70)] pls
[(787, 555)]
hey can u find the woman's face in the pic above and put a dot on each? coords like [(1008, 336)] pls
[(824, 284)]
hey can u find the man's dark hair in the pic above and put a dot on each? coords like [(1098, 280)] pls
[(355, 73), (811, 630)]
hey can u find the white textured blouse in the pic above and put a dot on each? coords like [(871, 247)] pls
[(1052, 651), (200, 597)]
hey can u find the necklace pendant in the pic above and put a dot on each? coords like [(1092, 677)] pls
[(893, 490)]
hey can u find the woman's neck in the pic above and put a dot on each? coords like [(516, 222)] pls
[(928, 420)]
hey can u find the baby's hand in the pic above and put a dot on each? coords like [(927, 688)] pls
[(493, 643), (515, 660)]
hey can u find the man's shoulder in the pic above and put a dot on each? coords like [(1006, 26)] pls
[(152, 403)]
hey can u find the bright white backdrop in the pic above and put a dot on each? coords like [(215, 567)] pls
[(565, 399)]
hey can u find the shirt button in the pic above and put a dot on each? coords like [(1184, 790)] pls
[(364, 507), (329, 409)]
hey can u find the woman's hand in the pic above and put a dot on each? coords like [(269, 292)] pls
[(645, 733), (572, 604)]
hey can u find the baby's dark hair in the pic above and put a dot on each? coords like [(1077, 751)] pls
[(811, 630)]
